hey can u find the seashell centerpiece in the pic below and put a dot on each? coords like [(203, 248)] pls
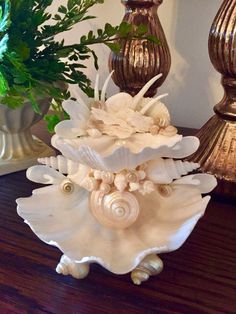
[(119, 194)]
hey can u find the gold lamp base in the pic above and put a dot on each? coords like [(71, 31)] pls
[(217, 153)]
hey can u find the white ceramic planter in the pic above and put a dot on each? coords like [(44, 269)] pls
[(19, 149)]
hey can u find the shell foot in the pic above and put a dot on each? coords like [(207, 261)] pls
[(151, 265), (68, 267)]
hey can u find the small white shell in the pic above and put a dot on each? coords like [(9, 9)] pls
[(165, 190), (107, 177), (169, 131), (154, 129), (94, 133), (132, 176), (105, 188), (115, 210), (90, 184), (164, 171), (141, 174), (120, 182), (68, 267), (148, 187), (134, 187), (67, 187)]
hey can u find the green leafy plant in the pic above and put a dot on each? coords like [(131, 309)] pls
[(34, 65)]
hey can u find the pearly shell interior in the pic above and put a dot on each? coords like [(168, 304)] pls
[(117, 210)]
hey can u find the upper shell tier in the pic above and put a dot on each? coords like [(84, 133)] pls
[(121, 132)]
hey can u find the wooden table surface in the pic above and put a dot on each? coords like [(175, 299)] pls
[(200, 277)]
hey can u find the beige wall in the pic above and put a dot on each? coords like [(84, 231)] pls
[(193, 85)]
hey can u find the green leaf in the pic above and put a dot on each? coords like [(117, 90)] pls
[(95, 59), (142, 29), (3, 45), (124, 29), (115, 47), (62, 9), (153, 39), (52, 121), (3, 85), (13, 102), (5, 17), (110, 30)]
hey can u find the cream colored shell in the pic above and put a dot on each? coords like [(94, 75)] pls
[(117, 210), (164, 171)]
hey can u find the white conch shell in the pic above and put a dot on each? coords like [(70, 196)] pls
[(60, 163), (68, 267), (164, 171), (115, 210), (151, 265), (75, 171)]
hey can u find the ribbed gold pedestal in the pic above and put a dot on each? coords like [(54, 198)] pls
[(217, 152)]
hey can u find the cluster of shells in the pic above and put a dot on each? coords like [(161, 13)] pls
[(108, 117), (125, 180), (113, 199), (126, 122)]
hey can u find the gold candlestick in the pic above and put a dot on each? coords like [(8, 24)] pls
[(217, 152), (139, 59)]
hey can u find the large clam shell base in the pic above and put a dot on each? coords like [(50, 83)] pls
[(119, 194)]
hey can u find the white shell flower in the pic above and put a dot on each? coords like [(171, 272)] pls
[(122, 139)]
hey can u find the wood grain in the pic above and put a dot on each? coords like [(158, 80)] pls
[(200, 277)]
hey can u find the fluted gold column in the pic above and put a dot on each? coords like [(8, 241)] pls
[(139, 59), (217, 152)]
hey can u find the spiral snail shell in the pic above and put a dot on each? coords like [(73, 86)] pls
[(67, 187), (151, 265), (165, 190), (69, 267), (115, 210), (132, 176), (105, 188)]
